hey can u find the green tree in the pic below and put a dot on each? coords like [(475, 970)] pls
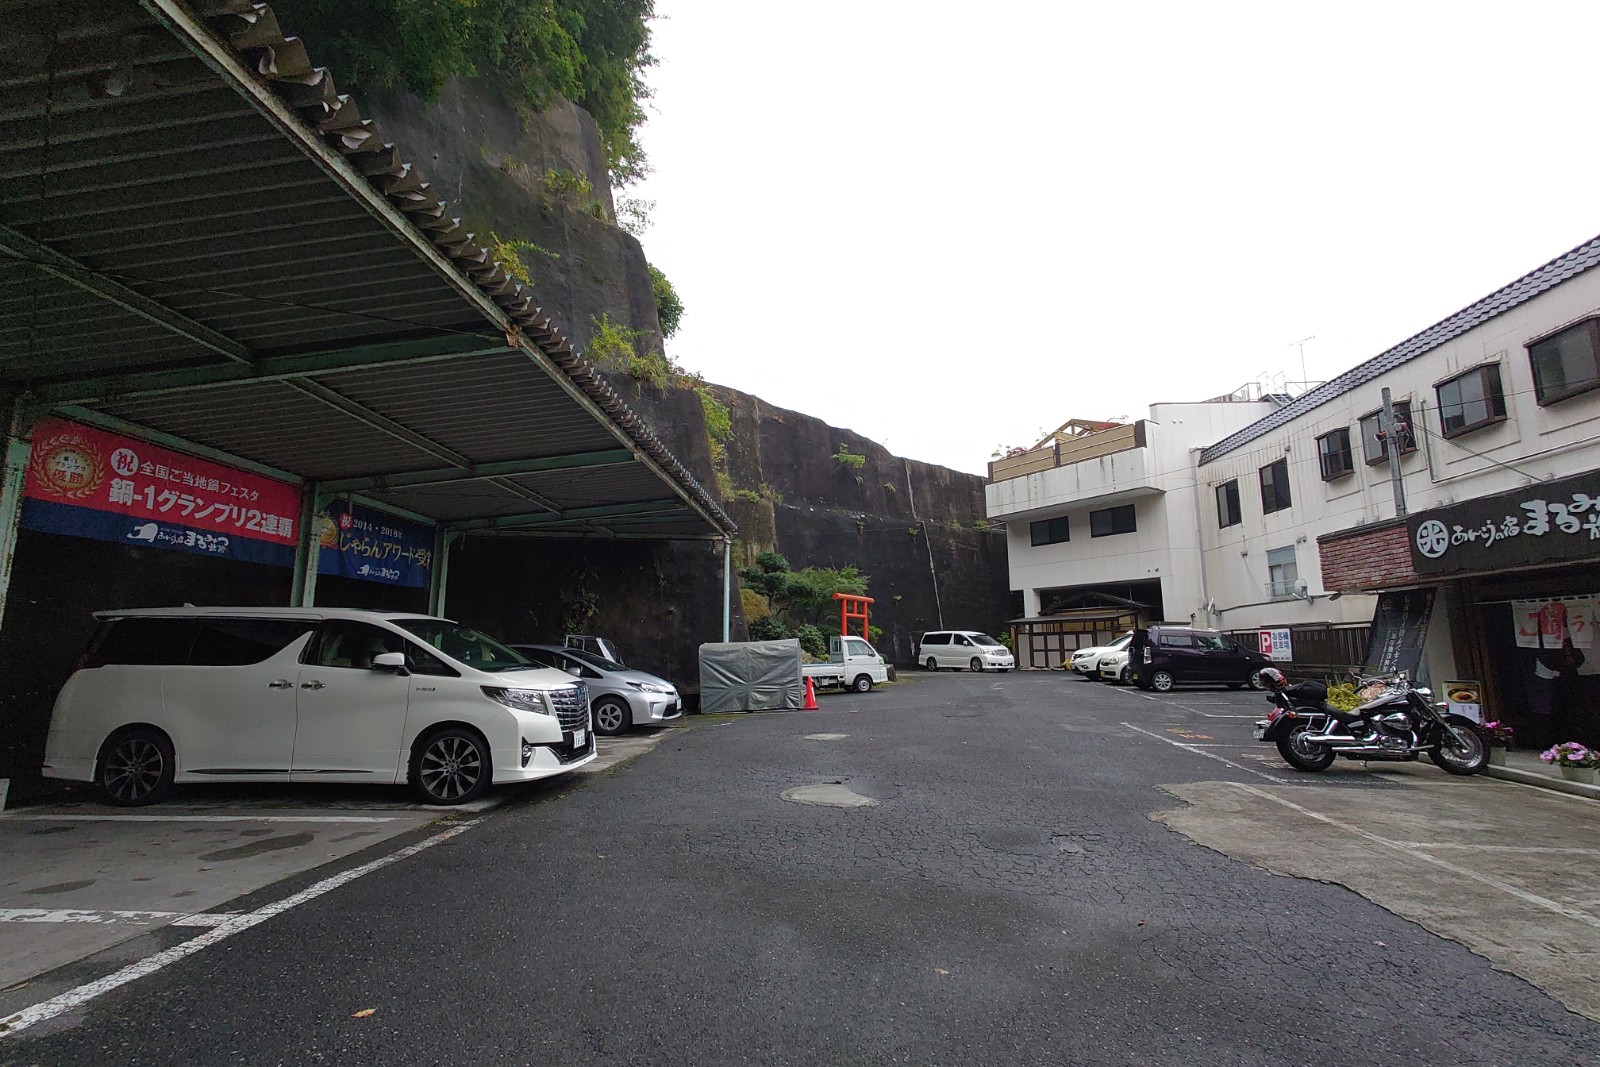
[(669, 308), (769, 577), (809, 596), (593, 52)]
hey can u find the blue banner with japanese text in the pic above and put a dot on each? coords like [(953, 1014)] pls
[(373, 546)]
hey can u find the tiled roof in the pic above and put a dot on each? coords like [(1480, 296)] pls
[(1525, 288)]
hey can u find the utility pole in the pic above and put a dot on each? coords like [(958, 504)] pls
[(1391, 444)]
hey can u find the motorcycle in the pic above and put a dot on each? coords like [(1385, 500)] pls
[(1398, 722)]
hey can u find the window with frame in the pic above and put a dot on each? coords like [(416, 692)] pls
[(1333, 454), (1110, 521), (1471, 400), (1566, 363), (1282, 571), (1228, 504), (1375, 443), (1050, 531), (1275, 486), (241, 642)]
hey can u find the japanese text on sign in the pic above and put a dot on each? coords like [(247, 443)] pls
[(87, 482)]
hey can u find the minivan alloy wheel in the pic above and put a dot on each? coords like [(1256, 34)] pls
[(451, 767), (1161, 680), (134, 769)]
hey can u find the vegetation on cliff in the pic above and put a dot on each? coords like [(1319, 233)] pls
[(793, 603), (593, 52)]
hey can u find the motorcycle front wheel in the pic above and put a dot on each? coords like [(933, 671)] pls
[(1462, 749), (1302, 755)]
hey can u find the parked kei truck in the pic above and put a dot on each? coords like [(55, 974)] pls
[(851, 663)]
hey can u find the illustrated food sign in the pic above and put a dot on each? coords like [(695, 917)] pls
[(1465, 698), (372, 546), (1551, 522), (86, 482), (1276, 645)]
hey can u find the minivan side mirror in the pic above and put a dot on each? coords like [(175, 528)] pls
[(390, 663)]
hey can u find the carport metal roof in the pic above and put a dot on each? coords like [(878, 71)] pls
[(203, 242)]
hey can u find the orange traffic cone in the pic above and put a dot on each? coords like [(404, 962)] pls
[(811, 697)]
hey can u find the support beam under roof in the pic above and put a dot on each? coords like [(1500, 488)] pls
[(510, 468), (606, 511), (64, 268), (154, 381)]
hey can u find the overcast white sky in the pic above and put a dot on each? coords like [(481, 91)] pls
[(950, 227)]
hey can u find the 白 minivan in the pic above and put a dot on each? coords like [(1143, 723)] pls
[(168, 695), (963, 650)]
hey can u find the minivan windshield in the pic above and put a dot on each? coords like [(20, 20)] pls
[(466, 645), (985, 640)]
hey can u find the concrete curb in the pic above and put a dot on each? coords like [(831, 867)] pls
[(1544, 781)]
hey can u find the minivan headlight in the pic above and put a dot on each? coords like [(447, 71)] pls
[(533, 700)]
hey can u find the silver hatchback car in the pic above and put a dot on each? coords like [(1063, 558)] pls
[(619, 697)]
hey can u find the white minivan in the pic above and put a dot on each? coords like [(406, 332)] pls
[(168, 695), (963, 649)]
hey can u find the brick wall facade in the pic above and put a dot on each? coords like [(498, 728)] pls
[(1367, 557)]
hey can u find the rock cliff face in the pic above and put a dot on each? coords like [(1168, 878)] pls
[(914, 528)]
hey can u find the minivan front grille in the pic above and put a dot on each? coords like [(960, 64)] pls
[(571, 704)]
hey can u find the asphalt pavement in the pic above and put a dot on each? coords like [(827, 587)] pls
[(958, 868)]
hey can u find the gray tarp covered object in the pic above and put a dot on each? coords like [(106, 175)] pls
[(750, 676)]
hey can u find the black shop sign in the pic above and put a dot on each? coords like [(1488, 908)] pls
[(1550, 522)]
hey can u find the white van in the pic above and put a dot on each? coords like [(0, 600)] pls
[(170, 695), (963, 649)]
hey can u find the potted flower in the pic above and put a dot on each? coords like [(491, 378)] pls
[(1576, 762), (1499, 736)]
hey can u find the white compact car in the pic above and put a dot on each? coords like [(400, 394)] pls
[(1114, 667), (1086, 661), (958, 650), (170, 695)]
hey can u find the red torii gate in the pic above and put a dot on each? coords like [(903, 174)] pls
[(852, 607)]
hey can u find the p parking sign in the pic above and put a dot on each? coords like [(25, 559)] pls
[(1276, 645)]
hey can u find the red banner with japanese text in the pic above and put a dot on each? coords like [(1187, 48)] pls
[(87, 482)]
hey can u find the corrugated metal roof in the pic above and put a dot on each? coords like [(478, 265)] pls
[(1525, 288), (144, 168)]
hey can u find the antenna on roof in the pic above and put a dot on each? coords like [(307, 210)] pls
[(1301, 344)]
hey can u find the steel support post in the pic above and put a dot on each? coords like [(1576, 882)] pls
[(439, 575), (727, 588), (18, 451), (307, 552)]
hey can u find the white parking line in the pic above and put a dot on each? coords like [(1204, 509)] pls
[(104, 917), (73, 998), (208, 818), (1537, 850), (1212, 755), (1416, 853)]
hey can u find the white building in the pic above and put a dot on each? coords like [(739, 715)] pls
[(1289, 503)]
